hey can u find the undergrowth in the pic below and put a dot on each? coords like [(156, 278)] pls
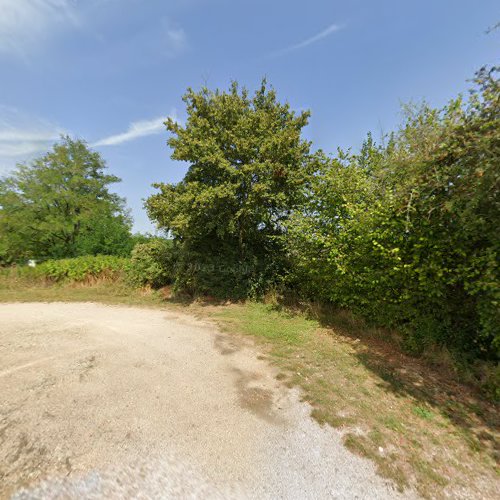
[(78, 269)]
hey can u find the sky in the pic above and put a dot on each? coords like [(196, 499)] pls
[(111, 71)]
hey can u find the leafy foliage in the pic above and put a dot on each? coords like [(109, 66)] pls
[(60, 206), (153, 263), (407, 234), (78, 269), (248, 166), (404, 233)]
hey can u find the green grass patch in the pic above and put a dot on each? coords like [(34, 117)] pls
[(264, 321), (423, 413)]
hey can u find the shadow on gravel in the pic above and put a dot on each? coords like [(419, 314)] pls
[(438, 387)]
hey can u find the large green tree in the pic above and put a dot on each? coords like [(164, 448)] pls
[(60, 206), (248, 166)]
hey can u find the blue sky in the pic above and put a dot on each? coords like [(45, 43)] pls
[(110, 71)]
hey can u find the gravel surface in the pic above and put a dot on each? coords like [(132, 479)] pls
[(120, 402)]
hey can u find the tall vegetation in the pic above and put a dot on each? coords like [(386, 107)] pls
[(404, 232), (407, 234), (61, 206), (248, 167), (152, 263)]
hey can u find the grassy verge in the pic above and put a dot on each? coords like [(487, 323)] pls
[(105, 291), (420, 427)]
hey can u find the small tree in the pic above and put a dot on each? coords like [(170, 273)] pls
[(152, 263), (248, 168), (60, 206)]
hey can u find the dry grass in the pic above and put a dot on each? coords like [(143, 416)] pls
[(422, 428), (98, 290)]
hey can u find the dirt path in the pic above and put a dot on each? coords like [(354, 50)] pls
[(103, 402)]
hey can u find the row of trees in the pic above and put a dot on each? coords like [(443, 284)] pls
[(404, 232)]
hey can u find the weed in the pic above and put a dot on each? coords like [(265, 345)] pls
[(423, 412)]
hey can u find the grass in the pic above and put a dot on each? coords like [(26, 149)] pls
[(422, 429), (263, 321), (105, 291)]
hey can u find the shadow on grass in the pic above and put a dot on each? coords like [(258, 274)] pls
[(438, 388), (433, 387)]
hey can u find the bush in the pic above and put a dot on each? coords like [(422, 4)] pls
[(406, 234), (80, 269), (77, 269), (153, 263)]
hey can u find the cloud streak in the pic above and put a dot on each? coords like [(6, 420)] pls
[(136, 130), (26, 23), (22, 137), (309, 41)]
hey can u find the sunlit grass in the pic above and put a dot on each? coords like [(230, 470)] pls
[(108, 292), (383, 413), (263, 321)]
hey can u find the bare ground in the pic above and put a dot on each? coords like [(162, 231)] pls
[(109, 401)]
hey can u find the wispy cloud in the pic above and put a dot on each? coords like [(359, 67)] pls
[(172, 39), (309, 41), (22, 137), (24, 24), (135, 130), (177, 39)]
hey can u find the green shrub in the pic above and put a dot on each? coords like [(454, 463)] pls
[(406, 234), (79, 269), (153, 263)]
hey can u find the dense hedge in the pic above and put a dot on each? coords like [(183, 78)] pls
[(407, 234), (152, 264)]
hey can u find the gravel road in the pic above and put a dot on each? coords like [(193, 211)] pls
[(119, 402)]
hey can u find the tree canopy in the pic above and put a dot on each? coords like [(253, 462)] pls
[(60, 206), (407, 233), (404, 232), (248, 165)]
